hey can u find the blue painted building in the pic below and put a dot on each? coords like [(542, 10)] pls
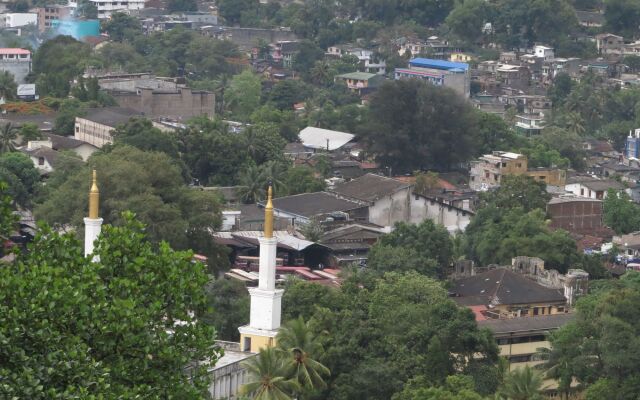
[(78, 29), (438, 72), (632, 146)]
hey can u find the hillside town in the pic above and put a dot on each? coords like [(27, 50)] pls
[(320, 199)]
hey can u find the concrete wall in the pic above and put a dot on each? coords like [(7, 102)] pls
[(19, 69), (92, 132), (131, 84), (183, 104), (391, 209), (576, 216), (249, 37), (453, 218)]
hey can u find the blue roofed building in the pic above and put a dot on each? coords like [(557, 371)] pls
[(438, 72)]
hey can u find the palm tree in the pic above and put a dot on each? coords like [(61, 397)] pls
[(522, 384), (8, 135), (274, 172), (8, 87), (321, 73), (575, 123), (268, 378), (252, 184), (297, 342)]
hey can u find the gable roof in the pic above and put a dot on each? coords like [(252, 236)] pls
[(601, 185), (351, 229), (110, 116), (66, 142), (309, 205), (503, 286), (369, 187), (538, 323)]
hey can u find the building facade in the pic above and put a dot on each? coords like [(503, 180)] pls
[(178, 104), (488, 170), (17, 62), (438, 72), (108, 7), (15, 20), (48, 13)]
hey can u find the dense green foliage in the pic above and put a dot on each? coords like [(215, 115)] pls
[(17, 170), (413, 125), (385, 331), (620, 213), (425, 248), (600, 348), (147, 183), (123, 326), (518, 191)]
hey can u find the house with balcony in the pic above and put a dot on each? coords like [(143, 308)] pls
[(282, 52), (608, 43), (530, 124), (488, 170), (360, 82), (369, 62)]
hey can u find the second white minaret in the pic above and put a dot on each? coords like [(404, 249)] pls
[(266, 300), (93, 223)]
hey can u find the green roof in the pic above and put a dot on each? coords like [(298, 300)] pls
[(362, 76)]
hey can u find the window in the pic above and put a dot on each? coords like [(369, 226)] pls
[(581, 192), (519, 165), (542, 177), (40, 160), (504, 164), (246, 345), (487, 174)]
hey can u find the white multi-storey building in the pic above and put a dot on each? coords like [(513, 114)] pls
[(108, 7)]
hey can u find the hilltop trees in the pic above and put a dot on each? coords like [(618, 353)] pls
[(123, 326), (413, 125)]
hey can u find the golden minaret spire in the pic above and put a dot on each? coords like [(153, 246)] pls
[(268, 214), (94, 198)]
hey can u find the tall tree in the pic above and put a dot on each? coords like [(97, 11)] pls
[(121, 26), (522, 384), (122, 325), (268, 377), (18, 171), (620, 213), (8, 137), (301, 351), (413, 125), (8, 86), (518, 191), (243, 95)]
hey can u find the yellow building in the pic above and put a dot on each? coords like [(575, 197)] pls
[(508, 294), (460, 57), (519, 339), (550, 176)]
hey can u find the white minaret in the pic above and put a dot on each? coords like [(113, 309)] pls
[(93, 223), (266, 300)]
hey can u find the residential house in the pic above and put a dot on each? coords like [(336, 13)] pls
[(16, 20), (543, 52), (350, 243), (17, 62), (107, 7), (283, 51), (489, 103), (48, 13), (461, 57), (301, 209), (519, 339), (592, 188), (631, 49), (96, 126), (608, 43), (488, 170), (44, 158), (388, 199), (530, 125), (62, 143), (577, 215), (508, 294), (513, 75), (439, 73), (361, 82), (368, 61)]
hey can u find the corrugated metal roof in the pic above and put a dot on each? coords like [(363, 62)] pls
[(438, 64)]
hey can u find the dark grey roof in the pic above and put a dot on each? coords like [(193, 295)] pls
[(601, 185), (312, 204), (65, 142), (45, 122), (526, 324), (48, 154), (351, 229), (369, 187), (503, 286), (110, 116)]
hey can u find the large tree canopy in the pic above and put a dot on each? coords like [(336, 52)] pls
[(413, 125), (125, 326), (147, 183)]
